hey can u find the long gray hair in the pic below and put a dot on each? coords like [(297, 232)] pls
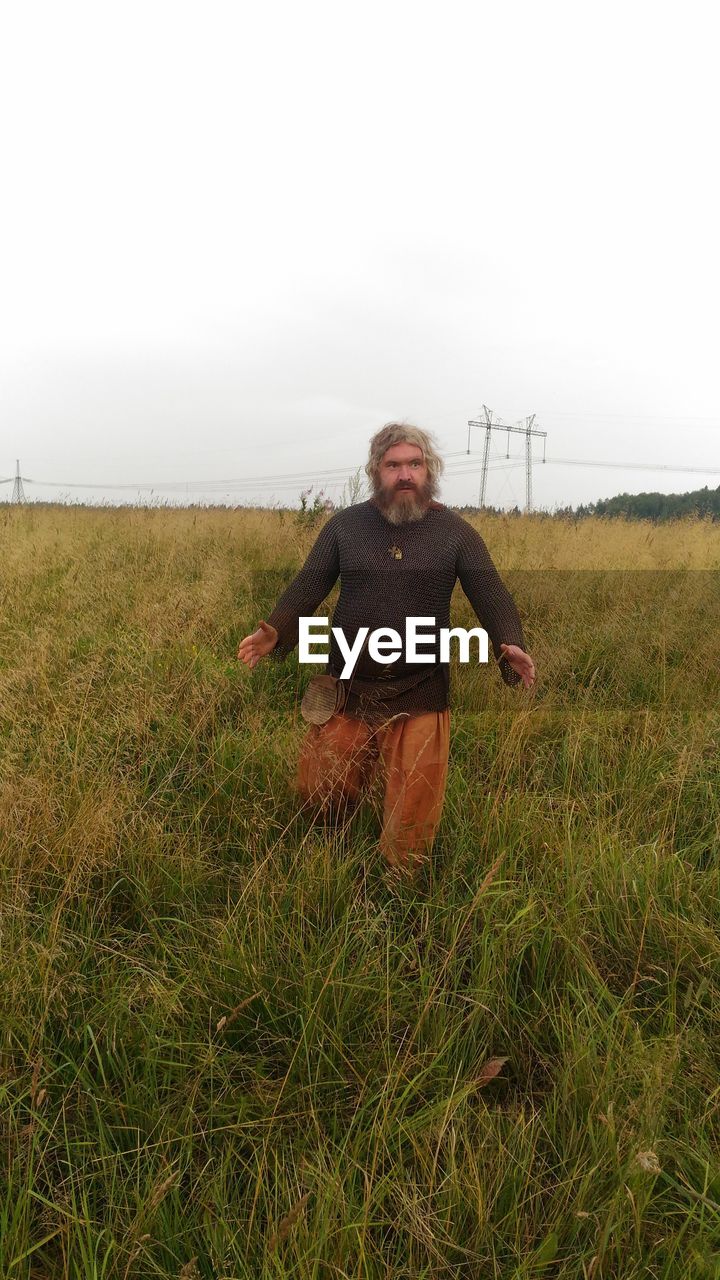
[(403, 433)]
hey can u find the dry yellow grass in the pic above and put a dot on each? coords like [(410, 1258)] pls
[(35, 534)]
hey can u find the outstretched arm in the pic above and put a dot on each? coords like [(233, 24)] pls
[(494, 608), (278, 635)]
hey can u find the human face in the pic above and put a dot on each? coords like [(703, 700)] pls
[(403, 469), (403, 483)]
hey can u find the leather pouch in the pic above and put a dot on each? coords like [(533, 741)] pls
[(324, 696)]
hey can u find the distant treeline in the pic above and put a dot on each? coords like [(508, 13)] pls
[(637, 506)]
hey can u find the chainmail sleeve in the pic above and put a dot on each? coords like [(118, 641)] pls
[(489, 597), (307, 590)]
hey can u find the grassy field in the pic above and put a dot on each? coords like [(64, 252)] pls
[(231, 1048)]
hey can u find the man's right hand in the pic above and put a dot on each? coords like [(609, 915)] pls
[(258, 645)]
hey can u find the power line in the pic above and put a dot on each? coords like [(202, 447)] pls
[(634, 466), (219, 489), (292, 478), (335, 476)]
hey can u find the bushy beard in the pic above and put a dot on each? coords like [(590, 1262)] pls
[(401, 506)]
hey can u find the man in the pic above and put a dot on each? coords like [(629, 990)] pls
[(398, 555)]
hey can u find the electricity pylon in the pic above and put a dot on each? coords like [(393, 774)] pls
[(18, 493), (525, 429)]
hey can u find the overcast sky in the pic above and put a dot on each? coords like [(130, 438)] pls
[(238, 238)]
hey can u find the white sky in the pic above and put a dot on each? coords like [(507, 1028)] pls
[(235, 239)]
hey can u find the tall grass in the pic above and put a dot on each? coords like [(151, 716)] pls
[(231, 1048)]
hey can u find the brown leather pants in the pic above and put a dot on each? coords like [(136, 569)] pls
[(403, 764)]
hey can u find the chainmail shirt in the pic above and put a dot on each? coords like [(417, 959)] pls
[(388, 573)]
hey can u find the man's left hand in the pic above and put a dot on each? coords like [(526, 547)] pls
[(520, 661)]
